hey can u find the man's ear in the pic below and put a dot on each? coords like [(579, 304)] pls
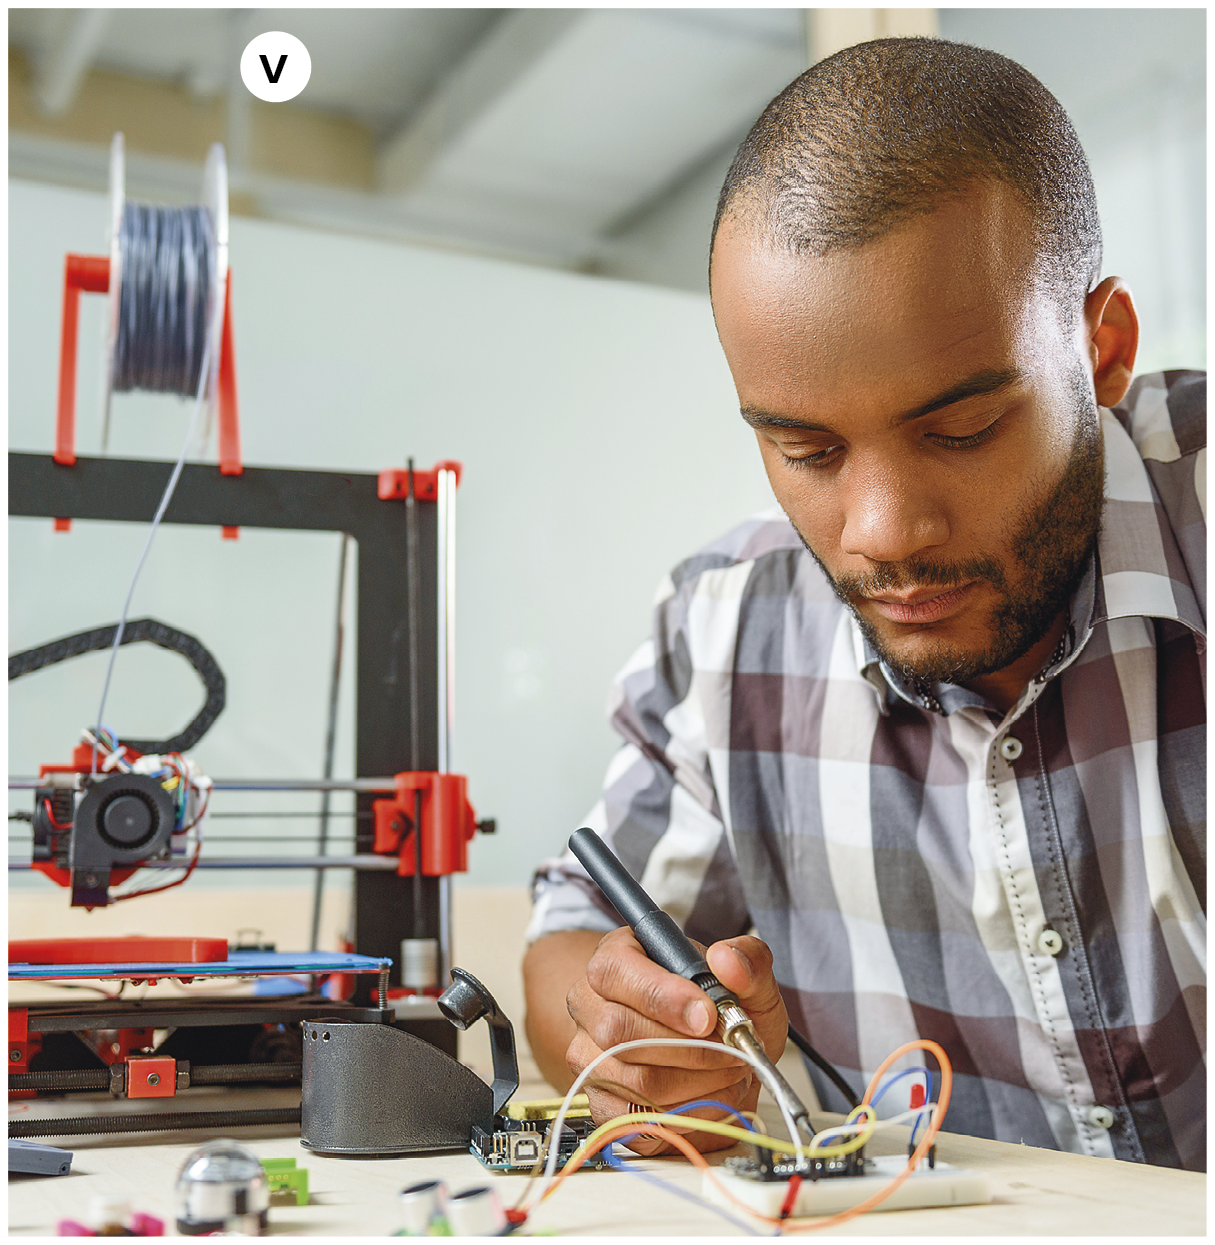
[(1111, 331)]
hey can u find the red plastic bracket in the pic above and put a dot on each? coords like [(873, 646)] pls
[(91, 274), (18, 1039), (22, 1047), (393, 485), (151, 1076), (448, 822), (229, 414)]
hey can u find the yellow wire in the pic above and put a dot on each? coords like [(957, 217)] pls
[(738, 1134)]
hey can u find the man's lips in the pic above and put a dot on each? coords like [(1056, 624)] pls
[(924, 605)]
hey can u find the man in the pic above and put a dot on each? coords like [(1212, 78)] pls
[(938, 734)]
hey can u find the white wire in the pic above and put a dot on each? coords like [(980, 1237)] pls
[(858, 1126), (166, 497), (550, 1166)]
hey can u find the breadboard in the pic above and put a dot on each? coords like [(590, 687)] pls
[(940, 1186)]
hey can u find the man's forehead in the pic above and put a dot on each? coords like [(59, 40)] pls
[(972, 255), (984, 236)]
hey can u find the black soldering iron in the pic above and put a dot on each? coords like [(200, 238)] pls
[(670, 948)]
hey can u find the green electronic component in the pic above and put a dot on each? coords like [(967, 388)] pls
[(286, 1180)]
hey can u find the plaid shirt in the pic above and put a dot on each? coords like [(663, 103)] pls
[(1027, 888)]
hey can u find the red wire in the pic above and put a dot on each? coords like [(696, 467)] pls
[(185, 877), (786, 1207), (50, 816)]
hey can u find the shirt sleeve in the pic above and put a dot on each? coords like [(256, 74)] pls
[(659, 811)]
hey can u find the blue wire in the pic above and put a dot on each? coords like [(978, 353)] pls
[(620, 1165), (708, 1102), (915, 1128), (895, 1079)]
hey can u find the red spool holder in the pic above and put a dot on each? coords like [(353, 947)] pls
[(91, 273)]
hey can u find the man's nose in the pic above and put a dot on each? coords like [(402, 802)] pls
[(892, 511)]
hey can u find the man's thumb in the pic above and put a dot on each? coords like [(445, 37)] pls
[(744, 965)]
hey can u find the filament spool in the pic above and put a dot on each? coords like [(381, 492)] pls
[(167, 288)]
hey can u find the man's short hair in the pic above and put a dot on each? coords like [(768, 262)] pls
[(889, 130)]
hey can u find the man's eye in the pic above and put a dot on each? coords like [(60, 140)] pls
[(964, 443), (816, 458)]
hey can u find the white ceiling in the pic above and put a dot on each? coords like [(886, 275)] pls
[(372, 64), (533, 133)]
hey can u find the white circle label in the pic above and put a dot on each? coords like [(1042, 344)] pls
[(275, 66)]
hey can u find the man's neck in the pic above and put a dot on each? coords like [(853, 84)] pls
[(1004, 687)]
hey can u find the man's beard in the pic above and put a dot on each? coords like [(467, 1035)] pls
[(1049, 552)]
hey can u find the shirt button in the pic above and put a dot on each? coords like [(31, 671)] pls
[(1049, 942), (1010, 748), (1101, 1117)]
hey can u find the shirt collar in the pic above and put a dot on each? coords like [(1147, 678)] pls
[(1133, 546)]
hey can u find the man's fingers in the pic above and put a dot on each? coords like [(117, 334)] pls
[(740, 1095), (744, 965), (662, 1084), (621, 972), (609, 1024)]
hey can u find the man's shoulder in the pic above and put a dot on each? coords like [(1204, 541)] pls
[(1165, 414)]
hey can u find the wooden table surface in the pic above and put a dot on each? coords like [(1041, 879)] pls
[(1035, 1192)]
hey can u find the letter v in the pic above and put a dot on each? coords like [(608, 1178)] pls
[(278, 73)]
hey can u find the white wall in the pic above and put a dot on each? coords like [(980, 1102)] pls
[(601, 440)]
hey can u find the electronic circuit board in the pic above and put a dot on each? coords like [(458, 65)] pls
[(941, 1185), (767, 1166), (516, 1143)]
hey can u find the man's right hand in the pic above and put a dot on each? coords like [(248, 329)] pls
[(624, 995)]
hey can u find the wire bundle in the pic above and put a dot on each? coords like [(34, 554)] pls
[(168, 257), (858, 1128)]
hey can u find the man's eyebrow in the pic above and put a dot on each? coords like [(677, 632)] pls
[(978, 385), (989, 381), (758, 418)]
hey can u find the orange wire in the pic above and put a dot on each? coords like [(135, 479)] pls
[(930, 1133), (653, 1130), (698, 1159)]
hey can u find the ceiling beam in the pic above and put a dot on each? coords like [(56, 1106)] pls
[(487, 72), (61, 67)]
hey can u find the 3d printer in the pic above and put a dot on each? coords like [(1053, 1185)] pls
[(122, 806)]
